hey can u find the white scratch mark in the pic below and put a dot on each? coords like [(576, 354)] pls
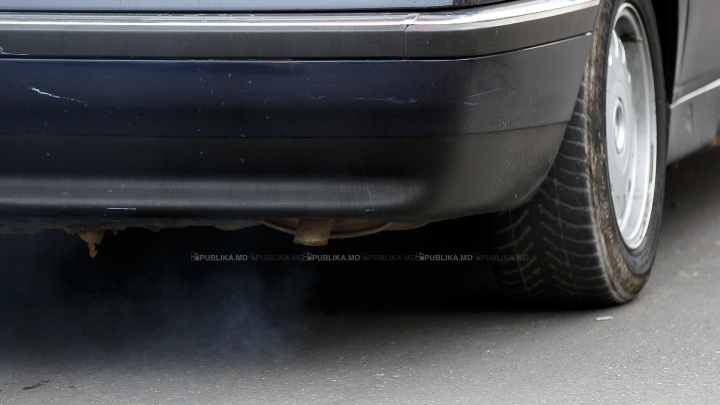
[(485, 92), (54, 96), (2, 52), (470, 103), (391, 100), (123, 209)]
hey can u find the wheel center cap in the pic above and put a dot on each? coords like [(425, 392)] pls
[(620, 126)]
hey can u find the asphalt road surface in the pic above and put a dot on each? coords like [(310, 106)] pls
[(143, 324)]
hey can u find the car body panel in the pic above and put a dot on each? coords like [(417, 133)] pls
[(334, 99), (701, 56), (695, 110)]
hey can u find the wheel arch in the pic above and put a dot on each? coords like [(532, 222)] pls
[(667, 17)]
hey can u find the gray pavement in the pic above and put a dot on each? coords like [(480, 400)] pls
[(142, 324)]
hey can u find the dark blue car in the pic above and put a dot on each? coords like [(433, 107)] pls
[(342, 118)]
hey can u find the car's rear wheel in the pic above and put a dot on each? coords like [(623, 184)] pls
[(590, 234)]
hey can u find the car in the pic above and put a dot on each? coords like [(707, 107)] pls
[(331, 119)]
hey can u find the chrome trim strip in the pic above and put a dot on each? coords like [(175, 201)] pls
[(702, 90), (525, 10), (233, 6), (209, 21)]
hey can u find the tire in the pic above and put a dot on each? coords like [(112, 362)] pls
[(567, 246)]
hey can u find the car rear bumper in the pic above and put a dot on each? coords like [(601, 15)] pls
[(391, 179), (392, 140)]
